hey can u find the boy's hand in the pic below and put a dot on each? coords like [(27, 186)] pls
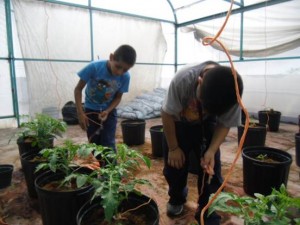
[(103, 116), (176, 158), (208, 162), (83, 121)]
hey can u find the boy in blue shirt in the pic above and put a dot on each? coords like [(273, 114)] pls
[(105, 83)]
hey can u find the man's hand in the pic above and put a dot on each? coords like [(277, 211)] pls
[(176, 158)]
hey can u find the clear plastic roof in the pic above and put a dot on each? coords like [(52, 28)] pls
[(177, 11)]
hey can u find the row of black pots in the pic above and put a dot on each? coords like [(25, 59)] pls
[(269, 118), (259, 175), (29, 153), (133, 132), (76, 207), (6, 170)]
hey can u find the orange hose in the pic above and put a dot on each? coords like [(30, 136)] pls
[(210, 41)]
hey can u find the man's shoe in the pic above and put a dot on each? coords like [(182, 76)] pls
[(174, 210)]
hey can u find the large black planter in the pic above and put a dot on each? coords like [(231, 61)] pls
[(157, 139), (29, 162), (270, 118), (297, 148), (133, 132), (261, 176), (255, 136), (92, 212), (6, 171), (25, 145), (60, 208)]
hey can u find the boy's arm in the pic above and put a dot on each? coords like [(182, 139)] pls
[(78, 100), (176, 156)]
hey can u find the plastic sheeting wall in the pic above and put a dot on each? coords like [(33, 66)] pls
[(267, 84), (51, 31), (269, 32)]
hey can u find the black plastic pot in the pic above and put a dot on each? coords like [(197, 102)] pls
[(6, 171), (157, 138), (133, 132), (92, 212), (261, 176), (270, 118), (29, 165), (297, 148), (299, 123), (60, 208), (255, 136), (25, 145)]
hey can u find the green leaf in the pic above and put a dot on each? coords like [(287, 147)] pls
[(81, 180), (110, 204)]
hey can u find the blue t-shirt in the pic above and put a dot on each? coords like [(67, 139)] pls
[(101, 85)]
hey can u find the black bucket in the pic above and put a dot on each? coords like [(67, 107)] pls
[(133, 132), (297, 148), (271, 118), (157, 138), (27, 146), (261, 176), (29, 165), (255, 136), (60, 208), (6, 171), (144, 207)]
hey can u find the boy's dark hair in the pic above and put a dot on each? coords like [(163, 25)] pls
[(126, 54), (218, 90)]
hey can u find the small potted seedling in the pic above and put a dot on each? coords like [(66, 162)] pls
[(39, 132), (264, 168), (67, 183)]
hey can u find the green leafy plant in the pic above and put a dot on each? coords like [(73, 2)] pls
[(68, 159), (273, 209), (116, 177), (40, 129)]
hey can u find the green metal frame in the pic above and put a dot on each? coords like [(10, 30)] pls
[(11, 59)]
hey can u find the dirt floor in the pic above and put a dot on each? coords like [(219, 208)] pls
[(17, 208)]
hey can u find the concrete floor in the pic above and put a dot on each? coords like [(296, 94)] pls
[(17, 208)]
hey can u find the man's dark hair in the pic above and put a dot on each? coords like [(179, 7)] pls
[(217, 91), (126, 54)]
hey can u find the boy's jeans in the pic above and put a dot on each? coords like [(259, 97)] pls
[(190, 139), (106, 135)]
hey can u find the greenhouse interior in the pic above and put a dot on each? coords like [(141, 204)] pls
[(49, 51)]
